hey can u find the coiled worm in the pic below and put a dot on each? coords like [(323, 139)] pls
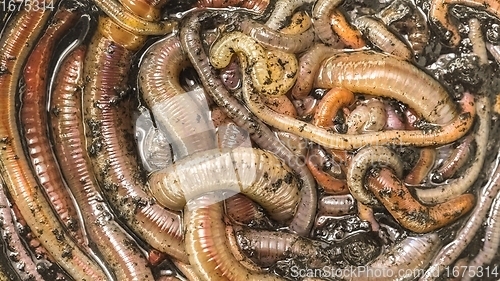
[(14, 166), (347, 33), (255, 173), (120, 252), (321, 21), (368, 116), (468, 177), (273, 73), (106, 110), (329, 106)]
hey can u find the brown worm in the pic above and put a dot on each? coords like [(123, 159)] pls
[(410, 213), (349, 35), (244, 210), (329, 106), (119, 252), (34, 122), (457, 159), (378, 34), (255, 173), (282, 105), (368, 116), (14, 166), (132, 22), (469, 176), (187, 131), (309, 64), (321, 20), (207, 246), (336, 205), (282, 10), (21, 259), (300, 22), (258, 6), (425, 162), (260, 133), (106, 113), (331, 183), (144, 9)]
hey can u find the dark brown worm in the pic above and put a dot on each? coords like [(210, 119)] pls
[(34, 122), (207, 247), (309, 64), (20, 257), (378, 34), (425, 162), (258, 6), (260, 134), (255, 173), (188, 131), (321, 20), (410, 213), (336, 205), (267, 247), (106, 110), (275, 40), (457, 159), (120, 253), (17, 41)]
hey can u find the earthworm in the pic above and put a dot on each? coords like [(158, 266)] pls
[(282, 105), (369, 116), (491, 240), (238, 253), (309, 64), (494, 51), (187, 270), (469, 176), (436, 135), (321, 21), (119, 251), (273, 73), (187, 131), (438, 13), (364, 160), (425, 162), (457, 159), (243, 210), (306, 107), (231, 75), (395, 11), (34, 123), (299, 23), (207, 247), (395, 119), (450, 252), (23, 263), (295, 143), (349, 35), (106, 113), (268, 247), (258, 6), (410, 213), (255, 173), (477, 40), (378, 34), (144, 9), (336, 205), (276, 40), (381, 77), (14, 166), (133, 23), (232, 136), (331, 184), (329, 106), (282, 10), (259, 132), (366, 213)]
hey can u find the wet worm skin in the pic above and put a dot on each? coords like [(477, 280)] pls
[(14, 166), (425, 162), (364, 160), (260, 133), (258, 6), (106, 110), (207, 246), (282, 10), (119, 252), (368, 116), (188, 131), (329, 106), (469, 176), (378, 34), (34, 122), (410, 213), (275, 40), (349, 35), (133, 23), (450, 252), (23, 263), (257, 174), (267, 247), (386, 75), (230, 135), (327, 173), (336, 205), (477, 40), (321, 15), (143, 8), (243, 210), (455, 161)]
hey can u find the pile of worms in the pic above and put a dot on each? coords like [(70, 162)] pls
[(249, 140)]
